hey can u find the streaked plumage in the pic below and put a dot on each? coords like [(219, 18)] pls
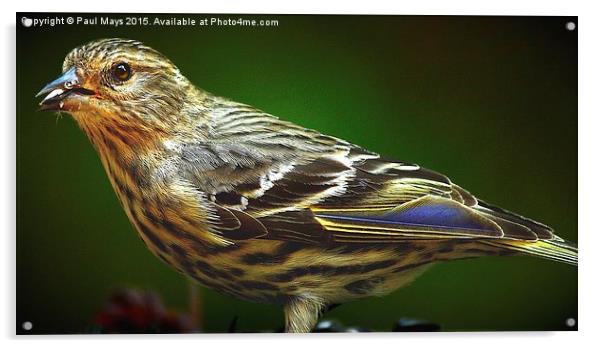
[(266, 210)]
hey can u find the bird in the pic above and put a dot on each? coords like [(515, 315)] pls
[(263, 209)]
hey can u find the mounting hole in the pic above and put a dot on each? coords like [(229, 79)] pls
[(27, 325), (570, 26), (570, 322)]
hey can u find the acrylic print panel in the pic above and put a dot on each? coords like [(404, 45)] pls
[(157, 194)]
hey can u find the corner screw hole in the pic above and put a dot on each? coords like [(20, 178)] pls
[(570, 322), (27, 325), (570, 26)]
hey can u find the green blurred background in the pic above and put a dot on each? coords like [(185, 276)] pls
[(489, 101)]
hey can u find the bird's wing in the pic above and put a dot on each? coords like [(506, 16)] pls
[(305, 186), (413, 202), (376, 200)]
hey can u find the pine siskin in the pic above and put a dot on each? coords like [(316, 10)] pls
[(263, 209)]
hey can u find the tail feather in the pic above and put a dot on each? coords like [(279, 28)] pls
[(553, 249)]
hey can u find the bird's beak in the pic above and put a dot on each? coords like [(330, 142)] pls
[(58, 90)]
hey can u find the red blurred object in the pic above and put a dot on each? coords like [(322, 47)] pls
[(138, 311)]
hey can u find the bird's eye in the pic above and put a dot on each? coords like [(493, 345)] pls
[(122, 71)]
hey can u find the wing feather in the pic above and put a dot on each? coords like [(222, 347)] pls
[(273, 179)]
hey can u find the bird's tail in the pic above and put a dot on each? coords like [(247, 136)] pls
[(554, 249)]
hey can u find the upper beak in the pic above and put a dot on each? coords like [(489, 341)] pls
[(57, 90)]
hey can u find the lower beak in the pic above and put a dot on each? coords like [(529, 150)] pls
[(58, 90)]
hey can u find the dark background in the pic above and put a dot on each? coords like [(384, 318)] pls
[(489, 101)]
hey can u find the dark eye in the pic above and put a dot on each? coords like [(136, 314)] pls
[(122, 71)]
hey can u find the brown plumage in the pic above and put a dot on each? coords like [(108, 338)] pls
[(263, 209)]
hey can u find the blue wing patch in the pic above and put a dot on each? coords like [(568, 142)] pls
[(426, 213)]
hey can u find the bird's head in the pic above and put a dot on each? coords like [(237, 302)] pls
[(118, 81)]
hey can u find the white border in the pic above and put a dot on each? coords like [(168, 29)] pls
[(408, 7), (590, 113)]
